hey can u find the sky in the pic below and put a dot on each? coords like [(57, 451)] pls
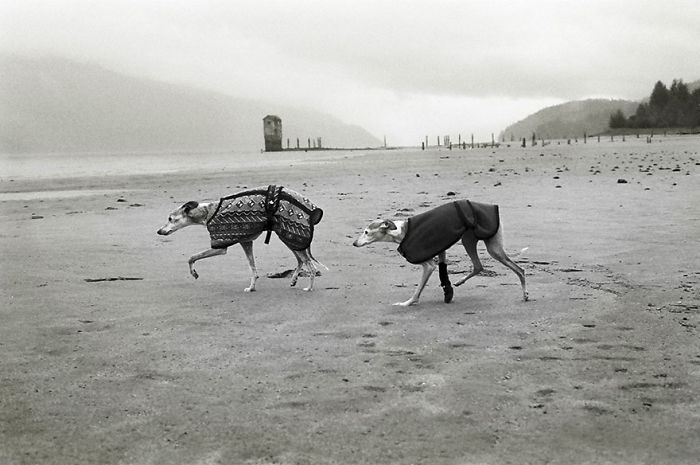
[(400, 69)]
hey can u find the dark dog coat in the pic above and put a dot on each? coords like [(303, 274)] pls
[(436, 230), (243, 216)]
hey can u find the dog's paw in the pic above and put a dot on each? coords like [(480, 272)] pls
[(408, 303), (449, 294), (194, 274), (308, 289), (249, 289)]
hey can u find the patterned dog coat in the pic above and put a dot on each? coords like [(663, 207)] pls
[(436, 230), (243, 216)]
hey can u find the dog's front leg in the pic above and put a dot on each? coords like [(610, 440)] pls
[(248, 249), (428, 268), (201, 255)]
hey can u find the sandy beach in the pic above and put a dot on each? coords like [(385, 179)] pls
[(113, 354)]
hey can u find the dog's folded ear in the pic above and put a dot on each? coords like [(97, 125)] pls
[(388, 224), (189, 206)]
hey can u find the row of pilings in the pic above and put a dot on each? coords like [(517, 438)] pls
[(534, 140)]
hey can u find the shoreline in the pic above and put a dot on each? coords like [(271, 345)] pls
[(156, 163)]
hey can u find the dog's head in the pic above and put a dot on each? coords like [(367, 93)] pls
[(375, 231), (179, 218)]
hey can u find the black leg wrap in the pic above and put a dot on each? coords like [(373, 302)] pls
[(442, 271), (445, 282)]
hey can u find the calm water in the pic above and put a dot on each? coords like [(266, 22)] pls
[(37, 166), (66, 165)]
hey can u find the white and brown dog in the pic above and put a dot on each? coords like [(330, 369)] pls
[(243, 217), (423, 237)]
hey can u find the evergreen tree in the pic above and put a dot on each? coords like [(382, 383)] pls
[(617, 120), (668, 107), (642, 119), (659, 96), (679, 90), (693, 113)]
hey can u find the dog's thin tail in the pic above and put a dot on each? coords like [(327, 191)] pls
[(522, 251), (316, 261)]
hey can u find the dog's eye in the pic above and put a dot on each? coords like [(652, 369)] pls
[(170, 219)]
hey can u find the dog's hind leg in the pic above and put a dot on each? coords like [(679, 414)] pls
[(312, 271), (469, 242), (297, 270), (428, 268), (494, 246), (201, 255), (313, 259), (248, 249), (304, 259)]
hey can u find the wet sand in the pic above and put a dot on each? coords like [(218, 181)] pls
[(114, 354)]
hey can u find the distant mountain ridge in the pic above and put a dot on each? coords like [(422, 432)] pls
[(574, 119), (570, 119), (53, 104)]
